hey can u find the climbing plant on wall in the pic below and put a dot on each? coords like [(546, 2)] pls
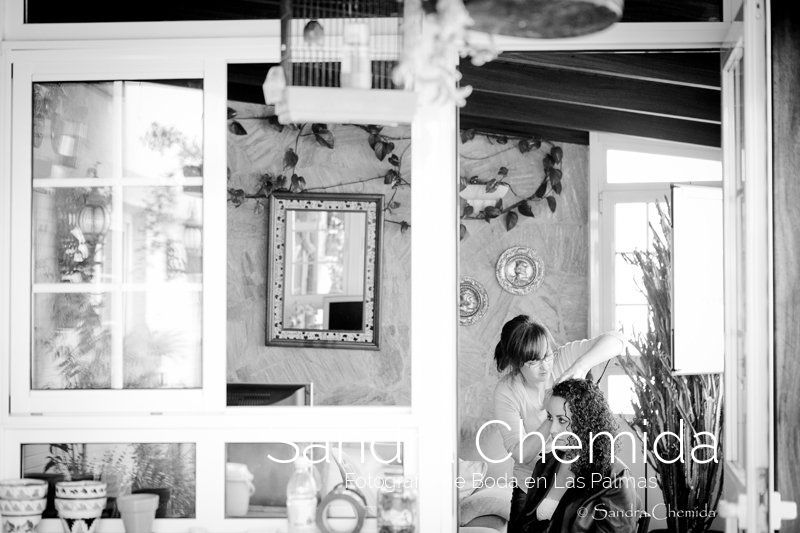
[(288, 180), (547, 179)]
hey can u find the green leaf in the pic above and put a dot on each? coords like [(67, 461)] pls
[(557, 187), (548, 161), (290, 159), (381, 150), (231, 113), (393, 205), (467, 135), (373, 140), (462, 232), (491, 185), (391, 175), (404, 226), (525, 209), (502, 139), (551, 203), (499, 203), (491, 212), (557, 154), (468, 210), (373, 129), (236, 128), (540, 192), (298, 184), (511, 220), (394, 160), (502, 172), (323, 136), (524, 146)]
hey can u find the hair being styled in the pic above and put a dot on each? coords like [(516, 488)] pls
[(522, 340), (589, 415)]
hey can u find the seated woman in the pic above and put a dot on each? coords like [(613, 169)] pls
[(595, 495)]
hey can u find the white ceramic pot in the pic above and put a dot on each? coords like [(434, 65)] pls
[(21, 524), (88, 508), (238, 489), (22, 507), (23, 489), (80, 490), (138, 512)]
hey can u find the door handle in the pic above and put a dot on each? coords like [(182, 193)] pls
[(780, 510)]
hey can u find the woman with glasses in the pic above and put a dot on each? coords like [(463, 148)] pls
[(532, 363)]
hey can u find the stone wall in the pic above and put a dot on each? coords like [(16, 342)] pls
[(340, 377), (560, 239)]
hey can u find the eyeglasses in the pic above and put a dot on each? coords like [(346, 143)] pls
[(539, 363)]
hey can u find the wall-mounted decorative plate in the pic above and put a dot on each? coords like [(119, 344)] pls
[(519, 270), (473, 301)]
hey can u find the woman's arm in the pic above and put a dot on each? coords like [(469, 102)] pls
[(507, 411), (603, 347)]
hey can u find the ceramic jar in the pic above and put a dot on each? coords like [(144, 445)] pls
[(238, 489), (22, 502), (80, 505), (138, 512)]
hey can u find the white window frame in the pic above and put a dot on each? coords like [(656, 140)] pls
[(427, 426), (603, 197)]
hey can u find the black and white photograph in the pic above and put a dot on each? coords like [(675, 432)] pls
[(399, 266)]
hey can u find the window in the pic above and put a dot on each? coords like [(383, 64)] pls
[(630, 186)]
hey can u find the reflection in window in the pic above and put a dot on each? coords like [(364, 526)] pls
[(166, 469), (268, 466), (117, 234)]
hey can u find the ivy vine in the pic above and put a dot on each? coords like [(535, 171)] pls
[(549, 185), (288, 180)]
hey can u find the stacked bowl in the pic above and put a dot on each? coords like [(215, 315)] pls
[(80, 504), (22, 502)]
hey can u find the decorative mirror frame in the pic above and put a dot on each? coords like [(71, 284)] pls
[(372, 205)]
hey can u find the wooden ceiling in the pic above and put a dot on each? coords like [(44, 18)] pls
[(563, 96)]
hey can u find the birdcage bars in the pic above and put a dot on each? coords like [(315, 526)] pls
[(344, 43)]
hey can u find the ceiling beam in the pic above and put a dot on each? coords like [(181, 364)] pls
[(522, 129), (584, 118), (686, 68), (592, 89)]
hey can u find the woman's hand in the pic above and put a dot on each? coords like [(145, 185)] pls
[(576, 371)]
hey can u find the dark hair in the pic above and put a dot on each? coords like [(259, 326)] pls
[(589, 415), (521, 340)]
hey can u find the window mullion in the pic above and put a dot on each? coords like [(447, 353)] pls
[(118, 297)]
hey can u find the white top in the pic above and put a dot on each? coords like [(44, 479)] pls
[(512, 402), (546, 508)]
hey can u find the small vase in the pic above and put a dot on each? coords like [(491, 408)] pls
[(138, 512), (80, 515)]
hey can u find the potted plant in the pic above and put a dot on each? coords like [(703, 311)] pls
[(665, 400)]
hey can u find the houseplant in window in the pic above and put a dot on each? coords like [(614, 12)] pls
[(689, 405)]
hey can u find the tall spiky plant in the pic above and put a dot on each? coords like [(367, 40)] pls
[(664, 399)]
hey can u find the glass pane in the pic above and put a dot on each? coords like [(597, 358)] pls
[(268, 466), (633, 320), (163, 125), (620, 394), (166, 469), (627, 282), (47, 11), (72, 341), (639, 167), (162, 347), (71, 237), (73, 130), (630, 226), (163, 234)]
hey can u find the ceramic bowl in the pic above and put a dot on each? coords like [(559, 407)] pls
[(23, 489), (21, 524), (80, 490), (86, 508), (22, 507)]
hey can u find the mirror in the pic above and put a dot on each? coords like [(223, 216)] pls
[(323, 270)]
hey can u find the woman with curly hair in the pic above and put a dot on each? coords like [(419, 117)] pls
[(531, 362), (583, 488)]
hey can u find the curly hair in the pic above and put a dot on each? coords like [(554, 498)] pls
[(521, 340), (589, 416)]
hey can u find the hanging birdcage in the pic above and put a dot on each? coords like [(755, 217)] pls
[(337, 60)]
